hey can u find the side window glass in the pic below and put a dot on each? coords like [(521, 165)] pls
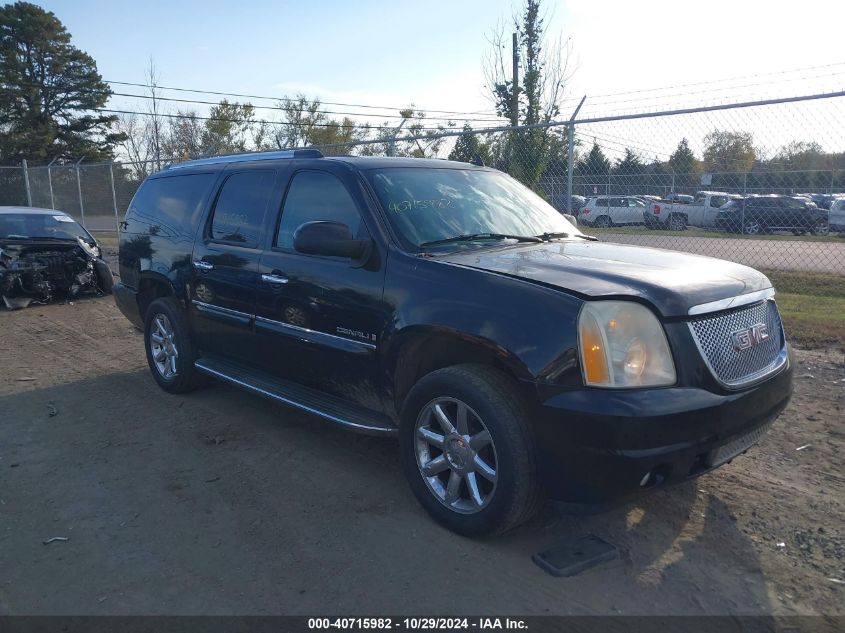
[(315, 196), (615, 202), (167, 205), (239, 212)]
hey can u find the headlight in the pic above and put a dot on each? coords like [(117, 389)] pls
[(622, 345)]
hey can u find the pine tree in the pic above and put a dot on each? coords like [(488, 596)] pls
[(49, 92)]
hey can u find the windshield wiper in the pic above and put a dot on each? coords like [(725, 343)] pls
[(469, 237), (551, 236)]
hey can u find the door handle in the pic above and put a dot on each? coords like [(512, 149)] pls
[(202, 265), (274, 279)]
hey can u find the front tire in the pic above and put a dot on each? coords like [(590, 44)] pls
[(467, 450), (169, 347), (821, 228)]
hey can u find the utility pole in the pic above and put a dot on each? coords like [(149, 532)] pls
[(515, 106)]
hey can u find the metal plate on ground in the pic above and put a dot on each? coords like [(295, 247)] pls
[(573, 556)]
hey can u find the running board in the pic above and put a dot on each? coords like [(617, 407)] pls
[(348, 414)]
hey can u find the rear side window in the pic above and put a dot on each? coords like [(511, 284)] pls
[(168, 206), (239, 212), (315, 196), (616, 202), (601, 202)]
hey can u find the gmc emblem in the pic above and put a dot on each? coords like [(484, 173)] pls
[(750, 337)]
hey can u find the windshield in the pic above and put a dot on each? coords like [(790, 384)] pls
[(40, 225), (432, 205)]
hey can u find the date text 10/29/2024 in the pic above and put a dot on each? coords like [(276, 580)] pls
[(417, 624)]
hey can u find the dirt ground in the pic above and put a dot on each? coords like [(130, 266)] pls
[(219, 502)]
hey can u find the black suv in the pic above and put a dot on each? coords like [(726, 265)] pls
[(763, 214), (449, 305)]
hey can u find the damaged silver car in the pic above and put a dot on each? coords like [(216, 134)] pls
[(45, 255)]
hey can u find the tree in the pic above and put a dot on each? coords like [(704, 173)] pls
[(595, 164), (227, 128), (545, 74), (49, 92), (729, 151), (682, 160), (629, 164), (470, 148), (305, 123)]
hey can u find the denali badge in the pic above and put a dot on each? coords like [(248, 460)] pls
[(749, 337)]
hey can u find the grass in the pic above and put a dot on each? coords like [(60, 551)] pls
[(641, 230), (812, 306)]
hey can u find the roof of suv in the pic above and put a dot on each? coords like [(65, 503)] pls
[(359, 162)]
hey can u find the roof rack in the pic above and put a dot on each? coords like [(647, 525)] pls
[(249, 156)]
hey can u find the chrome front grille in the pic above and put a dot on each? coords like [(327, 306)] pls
[(717, 336)]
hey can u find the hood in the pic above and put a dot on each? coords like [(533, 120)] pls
[(19, 248), (672, 282)]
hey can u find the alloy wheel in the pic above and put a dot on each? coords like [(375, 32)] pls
[(163, 348), (456, 456)]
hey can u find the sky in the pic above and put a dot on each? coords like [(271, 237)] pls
[(626, 56)]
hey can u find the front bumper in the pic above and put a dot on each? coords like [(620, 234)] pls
[(600, 446)]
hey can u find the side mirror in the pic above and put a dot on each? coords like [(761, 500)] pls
[(330, 239)]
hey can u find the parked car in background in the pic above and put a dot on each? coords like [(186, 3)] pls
[(823, 200), (680, 198), (836, 215), (764, 214), (701, 212), (606, 211), (559, 202)]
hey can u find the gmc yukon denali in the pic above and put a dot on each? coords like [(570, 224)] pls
[(514, 357)]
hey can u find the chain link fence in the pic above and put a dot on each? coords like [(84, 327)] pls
[(761, 184)]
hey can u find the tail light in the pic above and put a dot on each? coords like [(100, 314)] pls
[(657, 209), (585, 212)]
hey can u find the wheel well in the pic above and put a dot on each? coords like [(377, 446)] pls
[(424, 354), (149, 290)]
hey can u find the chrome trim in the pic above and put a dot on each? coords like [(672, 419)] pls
[(315, 333), (758, 376), (202, 265), (379, 430), (211, 307), (731, 302), (274, 279)]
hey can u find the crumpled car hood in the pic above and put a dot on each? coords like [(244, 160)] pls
[(672, 282)]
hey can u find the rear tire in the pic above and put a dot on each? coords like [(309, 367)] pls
[(603, 222), (481, 477), (169, 346), (677, 222)]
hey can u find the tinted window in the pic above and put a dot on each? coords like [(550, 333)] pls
[(718, 201), (313, 196), (635, 202), (601, 202), (616, 202), (792, 203), (239, 212), (163, 206)]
